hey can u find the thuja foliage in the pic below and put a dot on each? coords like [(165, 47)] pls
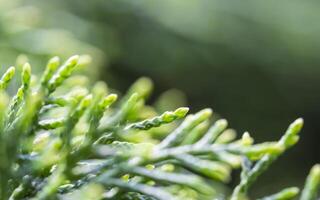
[(61, 140)]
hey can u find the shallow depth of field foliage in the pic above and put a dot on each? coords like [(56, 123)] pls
[(63, 139)]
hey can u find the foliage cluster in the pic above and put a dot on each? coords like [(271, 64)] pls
[(60, 139)]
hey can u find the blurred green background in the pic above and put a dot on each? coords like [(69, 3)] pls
[(255, 63)]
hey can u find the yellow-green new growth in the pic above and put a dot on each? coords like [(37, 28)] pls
[(312, 184), (52, 66), (213, 132), (291, 136), (246, 139), (165, 118), (286, 141), (285, 194), (143, 87), (26, 76), (190, 122), (107, 101), (63, 73), (6, 78)]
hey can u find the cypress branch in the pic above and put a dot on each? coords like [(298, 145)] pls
[(55, 145)]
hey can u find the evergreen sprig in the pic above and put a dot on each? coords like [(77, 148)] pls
[(59, 140)]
